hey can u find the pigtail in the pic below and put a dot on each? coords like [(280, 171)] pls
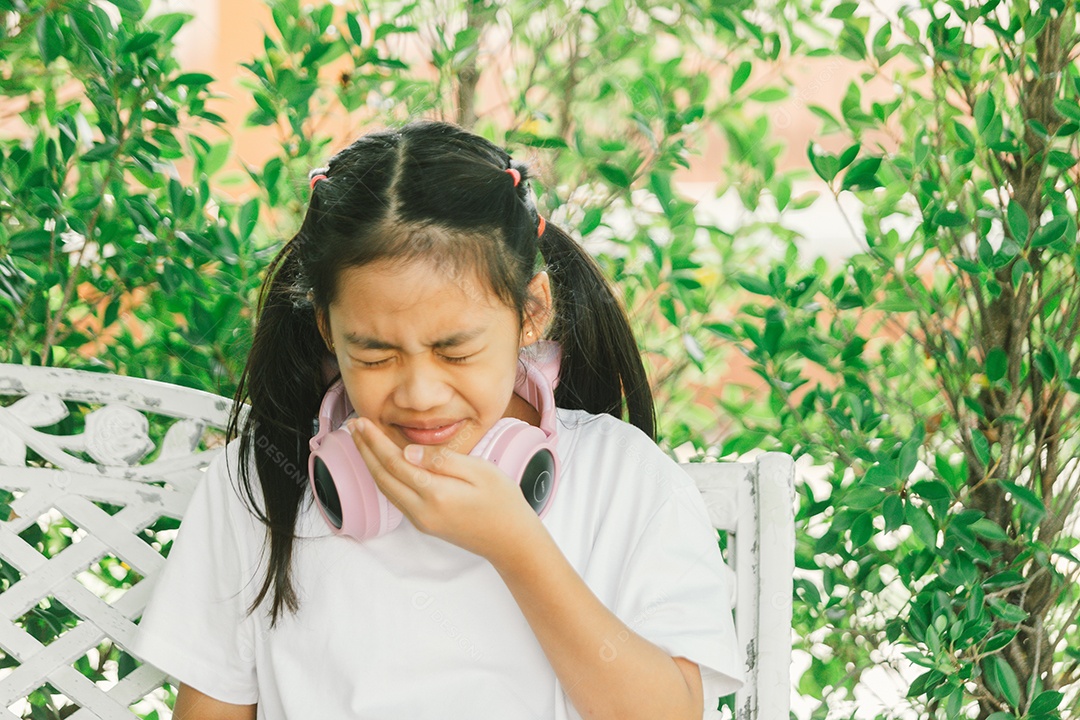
[(283, 383), (601, 368)]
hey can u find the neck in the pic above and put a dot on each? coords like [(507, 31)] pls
[(520, 408)]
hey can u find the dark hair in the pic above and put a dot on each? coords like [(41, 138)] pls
[(428, 189)]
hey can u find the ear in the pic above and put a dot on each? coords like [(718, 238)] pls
[(323, 323), (538, 309)]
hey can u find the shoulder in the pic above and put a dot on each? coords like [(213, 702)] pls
[(585, 426), (612, 472), (607, 441), (221, 490)]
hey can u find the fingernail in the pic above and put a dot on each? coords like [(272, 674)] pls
[(413, 453), (358, 425)]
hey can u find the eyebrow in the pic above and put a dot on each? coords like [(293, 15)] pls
[(368, 342)]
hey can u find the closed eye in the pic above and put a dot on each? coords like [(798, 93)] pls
[(461, 359), (377, 363)]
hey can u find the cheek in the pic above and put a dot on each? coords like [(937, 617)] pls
[(367, 394), (489, 389)]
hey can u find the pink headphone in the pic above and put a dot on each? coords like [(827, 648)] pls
[(351, 502)]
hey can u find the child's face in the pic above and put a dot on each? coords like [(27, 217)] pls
[(429, 357)]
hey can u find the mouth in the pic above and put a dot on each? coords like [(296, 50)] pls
[(430, 433)]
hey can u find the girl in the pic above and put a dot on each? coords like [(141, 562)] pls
[(415, 279)]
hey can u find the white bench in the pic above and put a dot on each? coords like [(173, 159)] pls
[(102, 573)]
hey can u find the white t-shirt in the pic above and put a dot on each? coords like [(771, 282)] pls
[(407, 625)]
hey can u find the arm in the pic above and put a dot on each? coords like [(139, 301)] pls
[(194, 705), (607, 670)]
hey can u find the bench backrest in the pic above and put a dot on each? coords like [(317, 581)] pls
[(78, 563)]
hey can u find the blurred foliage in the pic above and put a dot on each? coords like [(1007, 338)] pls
[(936, 372), (127, 245), (121, 251), (109, 259)]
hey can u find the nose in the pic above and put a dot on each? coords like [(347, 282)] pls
[(421, 387)]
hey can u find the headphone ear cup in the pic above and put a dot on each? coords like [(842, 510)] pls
[(486, 444), (346, 493), (525, 454)]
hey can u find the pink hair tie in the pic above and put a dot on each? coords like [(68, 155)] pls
[(515, 174), (540, 228), (316, 179)]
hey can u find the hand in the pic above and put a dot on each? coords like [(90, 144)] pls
[(467, 501)]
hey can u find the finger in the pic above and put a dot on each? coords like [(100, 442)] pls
[(380, 462), (444, 461), (391, 458)]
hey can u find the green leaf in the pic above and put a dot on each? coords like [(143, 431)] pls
[(1005, 611), (1044, 361), (1061, 159), (989, 530), (909, 457), (999, 640), (768, 94), (922, 525), (100, 151), (249, 218), (931, 490), (967, 265), (50, 38), (614, 175), (216, 158), (1002, 580), (863, 175), (997, 363), (948, 218), (740, 76), (667, 309), (1002, 679), (981, 446), (194, 79), (881, 475), (1018, 222), (88, 28), (30, 242), (984, 111), (893, 512), (862, 529), (140, 42), (168, 24), (754, 284), (354, 29), (849, 154), (1068, 109), (389, 29), (538, 141), (1020, 268), (844, 10), (964, 135), (1025, 497), (826, 165), (1048, 233), (1045, 702), (129, 8), (660, 184), (591, 221), (863, 498)]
